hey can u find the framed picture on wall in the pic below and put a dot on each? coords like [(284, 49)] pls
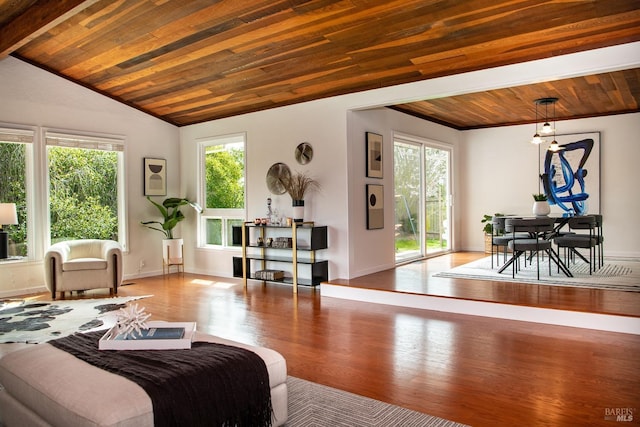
[(155, 177), (374, 155), (375, 206), (571, 176)]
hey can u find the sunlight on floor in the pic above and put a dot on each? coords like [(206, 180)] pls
[(221, 285)]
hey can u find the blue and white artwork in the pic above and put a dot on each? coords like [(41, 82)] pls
[(571, 176)]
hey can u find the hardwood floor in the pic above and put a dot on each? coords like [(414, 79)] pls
[(474, 370), (415, 278)]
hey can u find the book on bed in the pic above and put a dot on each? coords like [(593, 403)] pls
[(167, 336), (153, 334)]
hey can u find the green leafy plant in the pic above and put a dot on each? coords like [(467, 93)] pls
[(540, 197), (487, 220), (170, 210)]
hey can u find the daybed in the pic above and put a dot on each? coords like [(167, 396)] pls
[(45, 386)]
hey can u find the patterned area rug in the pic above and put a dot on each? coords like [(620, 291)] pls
[(25, 321), (615, 274), (312, 404)]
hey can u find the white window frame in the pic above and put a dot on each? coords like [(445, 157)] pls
[(223, 213), (27, 136), (106, 142)]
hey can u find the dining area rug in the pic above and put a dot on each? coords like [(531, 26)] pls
[(615, 274)]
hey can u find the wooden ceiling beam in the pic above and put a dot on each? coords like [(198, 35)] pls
[(36, 20)]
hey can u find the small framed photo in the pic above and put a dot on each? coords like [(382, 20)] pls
[(374, 155), (155, 177), (375, 206)]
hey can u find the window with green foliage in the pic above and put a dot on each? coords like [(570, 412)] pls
[(85, 188), (223, 188), (15, 152)]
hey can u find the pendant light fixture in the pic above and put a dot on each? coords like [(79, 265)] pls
[(536, 136), (554, 146), (546, 128)]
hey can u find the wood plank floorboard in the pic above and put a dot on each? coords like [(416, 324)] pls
[(417, 278), (474, 370)]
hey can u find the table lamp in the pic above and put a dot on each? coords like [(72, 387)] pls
[(8, 215)]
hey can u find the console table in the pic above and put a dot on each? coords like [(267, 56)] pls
[(266, 249)]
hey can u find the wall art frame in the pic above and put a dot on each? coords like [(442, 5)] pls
[(155, 177), (571, 177), (375, 206), (374, 155)]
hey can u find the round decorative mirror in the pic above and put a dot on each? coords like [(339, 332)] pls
[(304, 153), (278, 176)]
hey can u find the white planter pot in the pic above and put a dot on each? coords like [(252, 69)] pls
[(541, 208), (172, 251), (298, 210)]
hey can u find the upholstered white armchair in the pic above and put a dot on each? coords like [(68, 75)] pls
[(77, 265)]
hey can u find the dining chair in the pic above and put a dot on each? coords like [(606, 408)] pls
[(500, 238), (572, 242), (538, 230)]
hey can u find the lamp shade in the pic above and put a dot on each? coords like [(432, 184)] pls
[(8, 214)]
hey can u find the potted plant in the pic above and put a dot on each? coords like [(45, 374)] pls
[(297, 186), (487, 220), (541, 205), (171, 214)]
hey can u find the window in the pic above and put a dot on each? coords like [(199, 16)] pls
[(16, 152), (86, 187), (223, 188)]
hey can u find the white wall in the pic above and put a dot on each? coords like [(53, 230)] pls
[(33, 97), (499, 169), (373, 250), (272, 137)]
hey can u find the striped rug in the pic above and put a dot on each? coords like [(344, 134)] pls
[(312, 404), (615, 274)]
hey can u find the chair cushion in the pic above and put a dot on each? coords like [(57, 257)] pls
[(575, 241), (501, 240), (529, 244), (78, 264)]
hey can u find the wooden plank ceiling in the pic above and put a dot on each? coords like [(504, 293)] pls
[(198, 60)]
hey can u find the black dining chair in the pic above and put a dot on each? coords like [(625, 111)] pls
[(500, 238), (538, 230), (589, 239)]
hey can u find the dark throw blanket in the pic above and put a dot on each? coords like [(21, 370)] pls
[(208, 385)]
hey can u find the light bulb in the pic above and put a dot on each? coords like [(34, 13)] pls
[(546, 128), (554, 146)]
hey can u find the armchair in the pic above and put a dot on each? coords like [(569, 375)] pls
[(76, 265)]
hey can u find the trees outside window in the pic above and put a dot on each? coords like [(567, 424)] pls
[(223, 182), (85, 188), (14, 149)]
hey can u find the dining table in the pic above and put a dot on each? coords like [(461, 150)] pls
[(560, 220)]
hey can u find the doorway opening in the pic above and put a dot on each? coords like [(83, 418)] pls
[(422, 190)]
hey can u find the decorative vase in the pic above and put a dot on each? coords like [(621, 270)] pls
[(298, 210), (541, 208), (172, 251)]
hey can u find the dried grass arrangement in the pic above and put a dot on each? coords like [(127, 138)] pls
[(299, 184)]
